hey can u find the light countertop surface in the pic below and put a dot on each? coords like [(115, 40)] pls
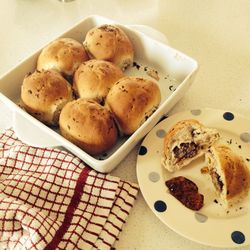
[(215, 33)]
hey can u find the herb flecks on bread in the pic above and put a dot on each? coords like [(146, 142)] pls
[(111, 43)]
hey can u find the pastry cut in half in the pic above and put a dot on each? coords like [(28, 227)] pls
[(229, 174), (186, 141)]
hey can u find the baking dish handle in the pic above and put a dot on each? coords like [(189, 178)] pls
[(151, 32), (31, 135)]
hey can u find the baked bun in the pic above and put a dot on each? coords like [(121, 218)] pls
[(94, 78), (186, 141), (229, 174), (132, 100), (110, 43), (88, 125), (63, 55), (43, 95)]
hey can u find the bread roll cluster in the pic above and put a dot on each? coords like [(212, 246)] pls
[(45, 91), (81, 87)]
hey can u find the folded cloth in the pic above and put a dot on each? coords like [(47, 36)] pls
[(50, 199)]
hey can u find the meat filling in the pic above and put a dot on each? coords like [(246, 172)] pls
[(216, 181), (186, 192), (186, 150)]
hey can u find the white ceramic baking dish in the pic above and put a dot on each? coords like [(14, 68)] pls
[(175, 69)]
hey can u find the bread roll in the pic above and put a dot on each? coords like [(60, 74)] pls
[(88, 125), (43, 95), (109, 42), (186, 141), (132, 100), (63, 55), (229, 174), (94, 78)]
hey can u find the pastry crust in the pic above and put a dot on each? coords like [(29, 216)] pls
[(94, 78), (229, 174), (132, 100), (88, 125), (110, 43), (63, 55), (43, 95)]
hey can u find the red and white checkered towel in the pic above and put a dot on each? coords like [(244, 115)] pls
[(50, 199)]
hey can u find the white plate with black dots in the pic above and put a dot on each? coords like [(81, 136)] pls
[(212, 225)]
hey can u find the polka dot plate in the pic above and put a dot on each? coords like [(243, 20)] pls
[(212, 225)]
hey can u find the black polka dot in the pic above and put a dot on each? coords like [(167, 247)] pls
[(228, 116), (160, 206), (238, 237), (143, 150)]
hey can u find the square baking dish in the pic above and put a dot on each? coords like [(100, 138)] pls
[(153, 58)]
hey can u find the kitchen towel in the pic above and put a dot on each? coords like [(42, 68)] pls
[(50, 199)]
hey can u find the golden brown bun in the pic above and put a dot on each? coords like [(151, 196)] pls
[(63, 55), (132, 100), (186, 141), (94, 78), (110, 43), (229, 174), (88, 125), (43, 95)]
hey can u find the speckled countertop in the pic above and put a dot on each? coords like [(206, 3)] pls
[(215, 33)]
